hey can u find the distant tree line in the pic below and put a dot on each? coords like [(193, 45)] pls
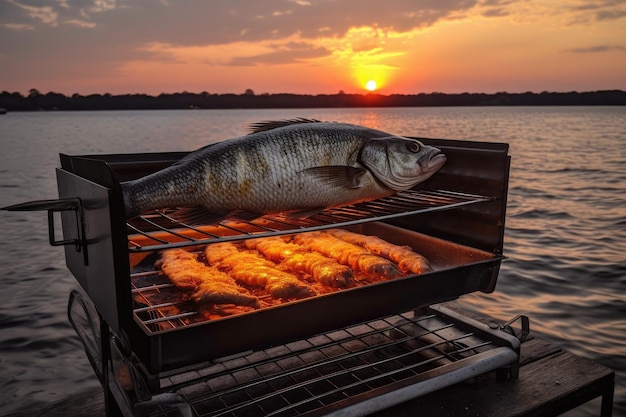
[(35, 100)]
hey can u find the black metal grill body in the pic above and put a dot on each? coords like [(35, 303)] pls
[(470, 236)]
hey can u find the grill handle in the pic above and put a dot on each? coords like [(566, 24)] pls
[(59, 205)]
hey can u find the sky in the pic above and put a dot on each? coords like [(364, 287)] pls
[(311, 46)]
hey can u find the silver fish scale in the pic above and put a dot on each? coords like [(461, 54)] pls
[(269, 175)]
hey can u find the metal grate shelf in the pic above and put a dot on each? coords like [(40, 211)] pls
[(159, 230), (344, 368)]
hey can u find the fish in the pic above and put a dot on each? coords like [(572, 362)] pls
[(298, 167)]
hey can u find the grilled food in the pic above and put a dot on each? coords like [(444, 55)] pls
[(209, 285), (286, 268), (296, 166), (406, 258), (182, 268), (297, 258), (348, 254), (252, 269)]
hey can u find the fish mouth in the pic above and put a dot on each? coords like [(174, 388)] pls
[(434, 161), (425, 167)]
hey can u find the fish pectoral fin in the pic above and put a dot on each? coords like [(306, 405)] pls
[(196, 215), (338, 175)]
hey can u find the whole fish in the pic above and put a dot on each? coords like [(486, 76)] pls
[(298, 167)]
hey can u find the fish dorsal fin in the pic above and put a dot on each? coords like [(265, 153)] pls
[(275, 124)]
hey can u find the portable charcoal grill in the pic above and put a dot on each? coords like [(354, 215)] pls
[(349, 352)]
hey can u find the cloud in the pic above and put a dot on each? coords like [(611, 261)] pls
[(597, 49), (601, 10), (17, 26), (80, 23), (224, 22), (279, 57), (237, 53), (199, 22), (43, 14), (496, 8), (611, 14), (103, 5), (586, 5), (54, 13), (495, 12), (290, 53)]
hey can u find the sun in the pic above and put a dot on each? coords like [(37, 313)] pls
[(370, 85)]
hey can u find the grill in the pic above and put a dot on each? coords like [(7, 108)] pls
[(345, 351)]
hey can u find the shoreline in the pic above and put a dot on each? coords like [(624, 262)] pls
[(36, 101)]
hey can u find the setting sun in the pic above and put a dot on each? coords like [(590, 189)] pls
[(370, 85)]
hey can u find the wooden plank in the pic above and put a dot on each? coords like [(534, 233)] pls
[(546, 387), (535, 349), (561, 382)]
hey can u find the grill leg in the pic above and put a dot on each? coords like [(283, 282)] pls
[(110, 405), (112, 408)]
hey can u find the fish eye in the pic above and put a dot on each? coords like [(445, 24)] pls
[(413, 147)]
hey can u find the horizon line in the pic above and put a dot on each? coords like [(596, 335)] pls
[(250, 92)]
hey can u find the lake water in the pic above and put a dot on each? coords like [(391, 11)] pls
[(565, 229)]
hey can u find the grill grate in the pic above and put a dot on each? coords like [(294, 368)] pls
[(159, 305), (343, 366), (158, 230)]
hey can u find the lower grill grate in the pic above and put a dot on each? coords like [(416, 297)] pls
[(338, 369)]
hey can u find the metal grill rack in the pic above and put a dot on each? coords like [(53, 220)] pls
[(358, 369), (160, 230), (158, 303)]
